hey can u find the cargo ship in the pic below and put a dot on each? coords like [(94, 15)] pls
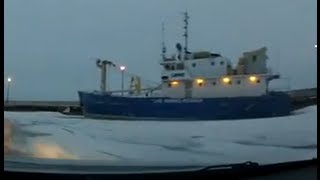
[(194, 86)]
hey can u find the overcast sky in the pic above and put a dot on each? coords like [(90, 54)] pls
[(49, 45)]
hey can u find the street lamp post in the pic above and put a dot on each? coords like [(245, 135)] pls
[(8, 88), (122, 68)]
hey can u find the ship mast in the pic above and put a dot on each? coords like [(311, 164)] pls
[(185, 35), (163, 44)]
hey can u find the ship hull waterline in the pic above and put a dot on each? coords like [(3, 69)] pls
[(106, 106)]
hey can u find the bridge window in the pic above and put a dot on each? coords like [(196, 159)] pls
[(164, 77), (221, 62), (214, 83), (193, 64), (180, 66), (238, 81), (212, 63), (178, 75), (254, 58), (167, 67)]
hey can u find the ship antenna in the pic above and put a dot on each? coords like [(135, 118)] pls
[(185, 35), (163, 43)]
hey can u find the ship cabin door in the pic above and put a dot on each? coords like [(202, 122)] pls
[(188, 89)]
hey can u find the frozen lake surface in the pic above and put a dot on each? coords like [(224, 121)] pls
[(268, 140)]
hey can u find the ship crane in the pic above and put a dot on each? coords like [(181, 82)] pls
[(135, 84), (103, 65)]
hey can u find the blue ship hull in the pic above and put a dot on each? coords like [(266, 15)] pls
[(103, 105)]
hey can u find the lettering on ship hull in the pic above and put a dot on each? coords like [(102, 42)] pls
[(178, 101)]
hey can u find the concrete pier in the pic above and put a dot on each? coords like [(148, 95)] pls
[(66, 107)]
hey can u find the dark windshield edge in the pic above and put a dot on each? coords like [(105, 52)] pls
[(89, 169)]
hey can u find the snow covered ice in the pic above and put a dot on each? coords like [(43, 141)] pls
[(268, 140)]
